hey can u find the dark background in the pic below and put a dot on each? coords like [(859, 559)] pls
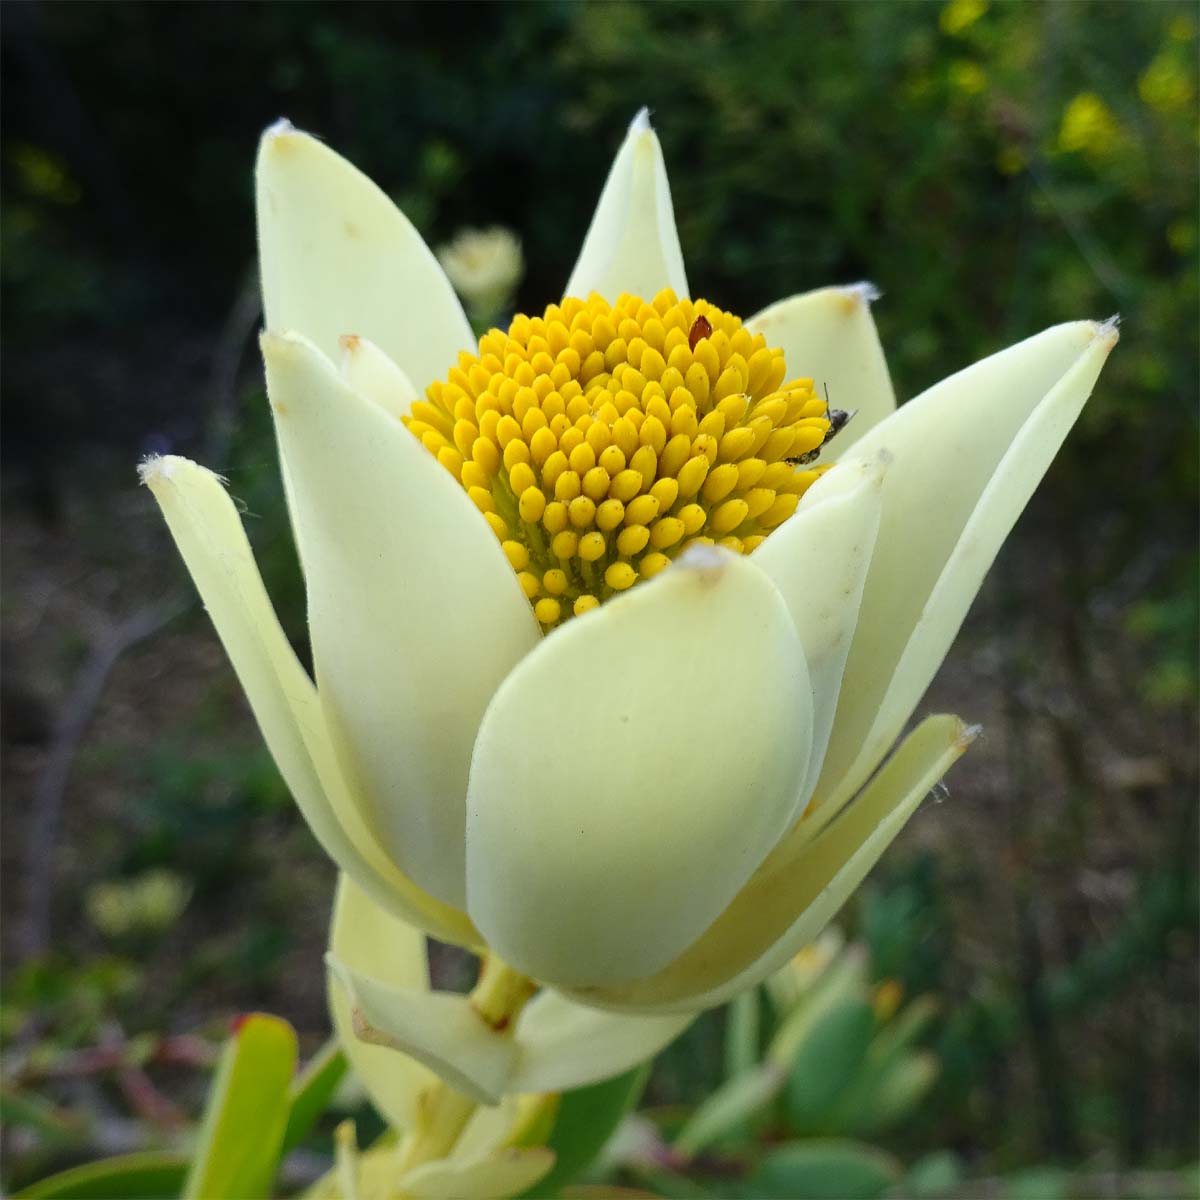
[(993, 169)]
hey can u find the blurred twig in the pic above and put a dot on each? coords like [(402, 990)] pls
[(239, 324), (72, 723), (108, 641), (1045, 1044), (179, 1050), (1090, 248)]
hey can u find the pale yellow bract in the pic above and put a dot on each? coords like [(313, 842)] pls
[(654, 805)]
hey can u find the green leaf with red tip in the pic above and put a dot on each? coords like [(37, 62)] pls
[(241, 1139)]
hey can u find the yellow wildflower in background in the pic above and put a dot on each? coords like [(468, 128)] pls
[(967, 77), (959, 15), (1088, 125), (1167, 85)]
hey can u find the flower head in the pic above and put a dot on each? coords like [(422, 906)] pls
[(601, 440), (606, 664), (485, 266)]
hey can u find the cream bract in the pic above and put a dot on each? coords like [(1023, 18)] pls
[(831, 332), (650, 714), (631, 244), (381, 1004), (416, 616), (968, 454), (336, 256), (658, 801), (484, 1161)]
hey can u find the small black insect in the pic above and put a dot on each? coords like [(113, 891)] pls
[(839, 418)]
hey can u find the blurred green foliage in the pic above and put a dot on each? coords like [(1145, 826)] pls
[(826, 1097)]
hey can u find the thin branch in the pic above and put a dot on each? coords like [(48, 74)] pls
[(73, 721), (240, 323), (110, 642)]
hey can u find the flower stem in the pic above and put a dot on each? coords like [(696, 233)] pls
[(442, 1113)]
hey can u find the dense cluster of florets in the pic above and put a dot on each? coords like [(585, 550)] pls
[(601, 440)]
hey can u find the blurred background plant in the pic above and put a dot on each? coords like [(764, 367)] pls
[(839, 1061), (994, 168), (485, 266)]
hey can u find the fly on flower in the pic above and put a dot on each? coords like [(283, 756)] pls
[(606, 675), (838, 419)]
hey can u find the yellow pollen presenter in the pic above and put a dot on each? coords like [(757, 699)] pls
[(599, 441)]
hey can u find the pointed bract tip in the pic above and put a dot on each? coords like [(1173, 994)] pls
[(271, 341), (708, 563), (278, 128), (641, 121), (153, 468), (1109, 331), (876, 467), (966, 735), (863, 292), (163, 468), (870, 470), (281, 142)]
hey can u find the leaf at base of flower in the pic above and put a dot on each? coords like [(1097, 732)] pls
[(440, 1029)]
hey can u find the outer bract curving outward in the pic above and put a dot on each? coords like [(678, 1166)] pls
[(614, 620)]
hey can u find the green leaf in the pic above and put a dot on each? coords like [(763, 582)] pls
[(586, 1119), (673, 1186), (843, 980), (152, 1175), (892, 1095), (742, 1021), (248, 1108), (1038, 1183), (605, 1191), (892, 1080), (826, 1062), (909, 1024), (311, 1091), (818, 1169), (743, 1033), (731, 1105), (936, 1174)]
